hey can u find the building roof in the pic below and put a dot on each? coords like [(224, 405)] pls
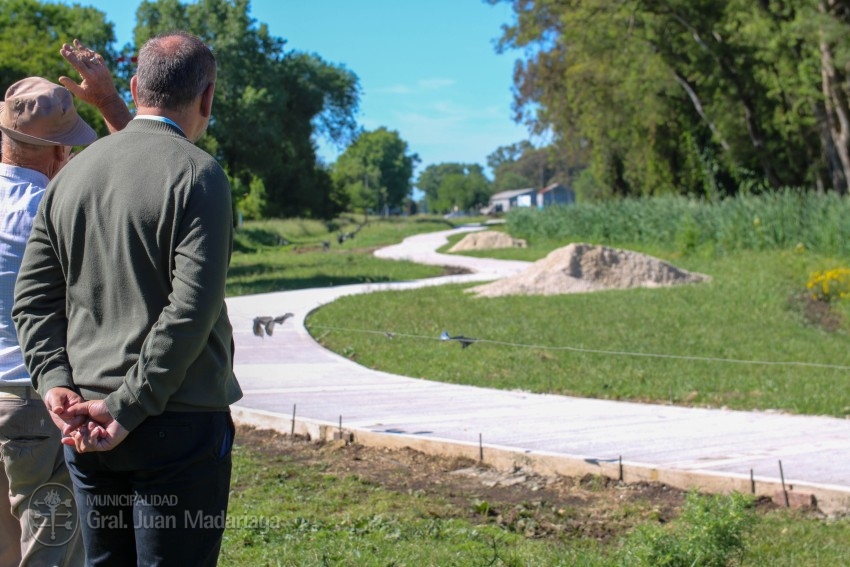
[(551, 187), (512, 193)]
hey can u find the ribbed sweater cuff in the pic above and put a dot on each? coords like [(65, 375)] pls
[(55, 378), (125, 408)]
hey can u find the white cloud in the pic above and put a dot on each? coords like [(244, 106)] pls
[(419, 87), (435, 84), (394, 89)]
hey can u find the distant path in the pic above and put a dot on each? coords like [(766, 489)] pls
[(422, 249)]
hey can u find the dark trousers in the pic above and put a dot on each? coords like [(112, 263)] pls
[(160, 497)]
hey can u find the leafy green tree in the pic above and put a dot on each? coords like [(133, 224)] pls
[(31, 34), (376, 171), (521, 165), (431, 178), (454, 186), (252, 199), (270, 105), (707, 97), (464, 192)]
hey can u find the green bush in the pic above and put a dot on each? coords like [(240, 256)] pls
[(709, 533)]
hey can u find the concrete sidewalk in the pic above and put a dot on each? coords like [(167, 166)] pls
[(294, 385)]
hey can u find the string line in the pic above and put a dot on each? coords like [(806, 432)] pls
[(391, 334)]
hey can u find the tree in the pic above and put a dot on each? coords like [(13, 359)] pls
[(375, 171), (707, 97), (31, 34), (454, 186), (431, 177), (270, 105), (463, 192), (521, 165)]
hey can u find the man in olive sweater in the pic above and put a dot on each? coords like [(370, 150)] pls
[(120, 299)]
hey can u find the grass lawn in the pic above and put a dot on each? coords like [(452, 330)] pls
[(746, 340), (279, 255)]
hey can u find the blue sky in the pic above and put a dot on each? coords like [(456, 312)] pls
[(427, 68)]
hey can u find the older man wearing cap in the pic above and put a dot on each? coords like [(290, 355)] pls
[(39, 128)]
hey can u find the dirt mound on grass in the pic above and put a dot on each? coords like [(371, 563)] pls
[(584, 267), (487, 240)]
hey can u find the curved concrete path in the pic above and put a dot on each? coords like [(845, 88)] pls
[(294, 385)]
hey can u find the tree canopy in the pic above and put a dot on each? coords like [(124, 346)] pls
[(521, 165), (270, 105), (454, 187), (31, 34), (375, 171), (704, 97)]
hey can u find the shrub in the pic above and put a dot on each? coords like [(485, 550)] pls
[(830, 285), (709, 533)]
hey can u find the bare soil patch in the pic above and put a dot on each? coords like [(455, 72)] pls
[(817, 313), (536, 506)]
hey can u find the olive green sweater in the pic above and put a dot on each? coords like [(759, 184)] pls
[(120, 295)]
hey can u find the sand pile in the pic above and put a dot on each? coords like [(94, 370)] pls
[(487, 240), (584, 267)]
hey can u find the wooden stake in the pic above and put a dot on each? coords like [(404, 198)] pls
[(784, 491), (480, 448), (752, 482), (292, 430)]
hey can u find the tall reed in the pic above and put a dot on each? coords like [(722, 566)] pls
[(785, 219)]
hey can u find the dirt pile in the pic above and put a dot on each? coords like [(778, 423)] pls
[(584, 267), (487, 240)]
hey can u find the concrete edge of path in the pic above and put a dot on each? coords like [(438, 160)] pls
[(828, 499)]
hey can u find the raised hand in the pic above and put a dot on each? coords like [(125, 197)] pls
[(97, 87)]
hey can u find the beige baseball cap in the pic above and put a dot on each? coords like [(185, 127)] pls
[(42, 113)]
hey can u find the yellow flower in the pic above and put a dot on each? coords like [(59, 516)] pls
[(830, 284)]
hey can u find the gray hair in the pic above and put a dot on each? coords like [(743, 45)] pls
[(174, 69)]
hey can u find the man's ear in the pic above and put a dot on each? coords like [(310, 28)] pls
[(134, 85), (207, 100)]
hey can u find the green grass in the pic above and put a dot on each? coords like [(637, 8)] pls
[(284, 511), (280, 255), (315, 518), (596, 344)]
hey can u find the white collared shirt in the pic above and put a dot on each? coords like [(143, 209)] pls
[(21, 191)]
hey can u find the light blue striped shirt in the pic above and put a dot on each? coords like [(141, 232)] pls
[(21, 191)]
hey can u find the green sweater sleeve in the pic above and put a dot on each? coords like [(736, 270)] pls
[(201, 259)]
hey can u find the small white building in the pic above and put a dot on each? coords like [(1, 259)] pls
[(504, 201), (555, 194)]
